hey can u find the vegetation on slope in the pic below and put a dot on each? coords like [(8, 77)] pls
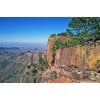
[(33, 72), (41, 66), (79, 32)]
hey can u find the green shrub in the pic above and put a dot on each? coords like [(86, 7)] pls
[(34, 68), (53, 75), (52, 35), (72, 41), (43, 61), (98, 43), (62, 34)]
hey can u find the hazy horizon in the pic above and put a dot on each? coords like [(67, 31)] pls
[(24, 45)]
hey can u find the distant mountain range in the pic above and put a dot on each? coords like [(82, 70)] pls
[(40, 46), (15, 47), (9, 48)]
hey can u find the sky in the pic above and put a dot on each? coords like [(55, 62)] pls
[(31, 29)]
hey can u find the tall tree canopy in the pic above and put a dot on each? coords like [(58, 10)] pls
[(85, 27)]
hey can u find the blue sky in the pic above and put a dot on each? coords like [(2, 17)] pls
[(31, 30)]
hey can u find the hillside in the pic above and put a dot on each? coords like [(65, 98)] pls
[(33, 71), (13, 65)]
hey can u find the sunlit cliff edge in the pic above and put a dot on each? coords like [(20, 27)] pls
[(86, 56)]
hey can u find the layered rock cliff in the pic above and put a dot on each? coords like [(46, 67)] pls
[(85, 56), (80, 56), (50, 53)]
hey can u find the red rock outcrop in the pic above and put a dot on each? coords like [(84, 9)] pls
[(60, 80), (67, 57), (86, 56), (50, 53)]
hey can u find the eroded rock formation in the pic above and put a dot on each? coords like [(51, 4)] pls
[(50, 54), (80, 56)]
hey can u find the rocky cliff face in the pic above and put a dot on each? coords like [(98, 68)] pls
[(50, 54), (85, 56), (80, 56)]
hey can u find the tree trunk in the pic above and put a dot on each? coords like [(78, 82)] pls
[(94, 41)]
